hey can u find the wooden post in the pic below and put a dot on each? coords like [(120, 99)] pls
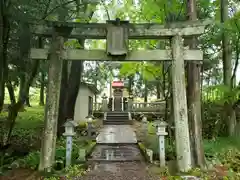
[(180, 105), (52, 104)]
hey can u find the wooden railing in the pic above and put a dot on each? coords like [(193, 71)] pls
[(97, 106), (149, 107), (139, 107), (144, 105)]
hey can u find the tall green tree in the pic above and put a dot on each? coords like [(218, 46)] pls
[(194, 96)]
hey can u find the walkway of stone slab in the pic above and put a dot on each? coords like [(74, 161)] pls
[(119, 171), (116, 134), (117, 157)]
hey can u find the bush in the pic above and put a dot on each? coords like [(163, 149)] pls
[(33, 158)]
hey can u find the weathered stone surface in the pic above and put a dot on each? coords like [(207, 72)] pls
[(100, 55), (136, 31), (117, 153), (117, 134), (119, 171)]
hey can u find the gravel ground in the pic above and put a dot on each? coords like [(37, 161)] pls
[(119, 171)]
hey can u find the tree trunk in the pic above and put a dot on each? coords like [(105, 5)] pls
[(27, 102), (130, 84), (69, 91), (42, 77), (42, 88), (11, 92), (194, 98), (4, 38), (158, 87), (52, 104), (145, 92), (22, 84), (75, 75), (227, 69), (15, 108), (2, 60)]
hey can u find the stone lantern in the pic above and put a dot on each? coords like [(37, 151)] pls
[(69, 132), (69, 128), (161, 132), (90, 125), (90, 118)]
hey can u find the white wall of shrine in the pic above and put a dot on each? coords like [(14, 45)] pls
[(82, 103)]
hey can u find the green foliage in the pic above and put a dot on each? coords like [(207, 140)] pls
[(224, 93), (212, 119), (231, 159), (27, 131), (73, 171), (149, 71), (27, 137), (220, 145), (32, 160)]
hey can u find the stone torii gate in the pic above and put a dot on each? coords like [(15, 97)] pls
[(117, 33)]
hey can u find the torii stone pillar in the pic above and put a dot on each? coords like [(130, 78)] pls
[(180, 105), (55, 57)]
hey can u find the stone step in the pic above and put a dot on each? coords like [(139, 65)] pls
[(117, 119), (117, 112), (116, 153), (120, 116), (113, 160), (124, 117), (107, 122)]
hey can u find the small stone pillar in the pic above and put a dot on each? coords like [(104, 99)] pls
[(161, 132), (69, 133), (90, 125), (130, 103), (145, 125), (104, 103)]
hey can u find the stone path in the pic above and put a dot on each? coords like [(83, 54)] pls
[(117, 134), (117, 156), (116, 153), (119, 171)]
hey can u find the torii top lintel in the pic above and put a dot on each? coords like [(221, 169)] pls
[(135, 31)]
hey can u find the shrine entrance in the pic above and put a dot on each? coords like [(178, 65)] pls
[(117, 33), (118, 99)]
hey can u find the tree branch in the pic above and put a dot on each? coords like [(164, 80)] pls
[(105, 7)]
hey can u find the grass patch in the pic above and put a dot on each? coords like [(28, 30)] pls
[(32, 118), (211, 147), (221, 153), (27, 132), (27, 136)]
